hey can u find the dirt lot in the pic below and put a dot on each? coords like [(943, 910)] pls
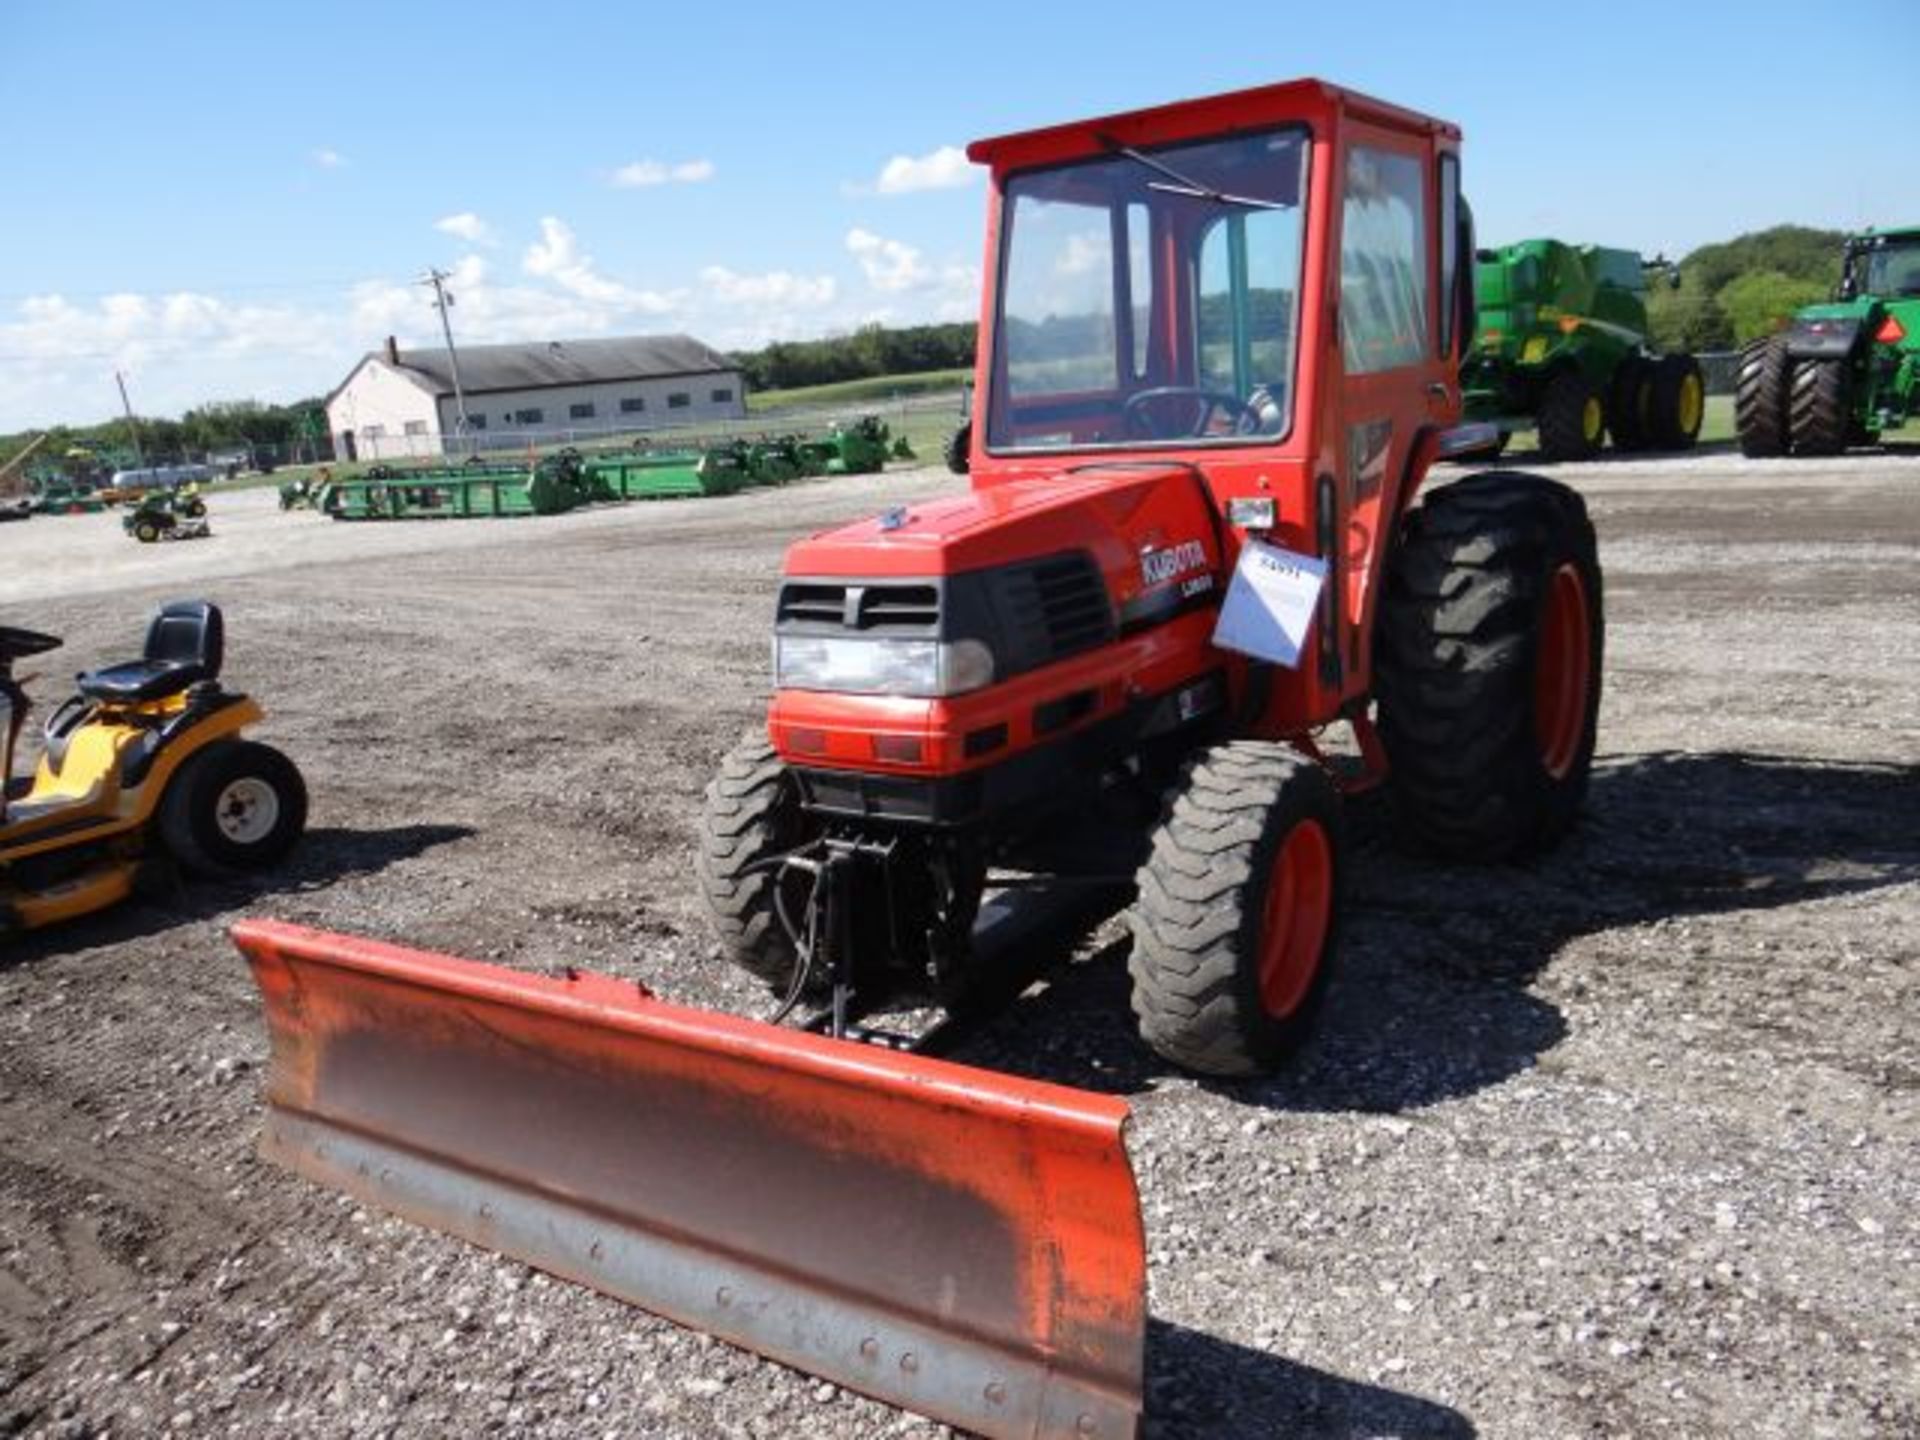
[(1624, 1143)]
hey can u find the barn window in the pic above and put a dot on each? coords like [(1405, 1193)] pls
[(633, 404), (679, 400), (580, 412), (723, 396), (416, 427), (530, 417)]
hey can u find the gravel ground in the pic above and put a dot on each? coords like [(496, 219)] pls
[(1625, 1142)]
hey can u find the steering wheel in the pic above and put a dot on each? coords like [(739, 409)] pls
[(1137, 418)]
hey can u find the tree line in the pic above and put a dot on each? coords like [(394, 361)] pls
[(220, 425), (1740, 289), (869, 351)]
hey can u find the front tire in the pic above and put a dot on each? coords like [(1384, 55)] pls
[(1572, 421), (146, 532), (1679, 402), (1819, 415), (959, 448), (753, 813), (236, 806), (1235, 924), (1490, 641), (1760, 399)]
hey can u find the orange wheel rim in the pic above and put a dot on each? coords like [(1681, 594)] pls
[(1560, 678), (1295, 919)]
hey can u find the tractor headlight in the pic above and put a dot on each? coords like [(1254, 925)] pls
[(872, 666)]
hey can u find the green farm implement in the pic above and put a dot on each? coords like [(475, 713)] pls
[(1561, 343), (1841, 373), (567, 479)]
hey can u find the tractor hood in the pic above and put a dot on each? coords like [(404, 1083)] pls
[(1120, 514)]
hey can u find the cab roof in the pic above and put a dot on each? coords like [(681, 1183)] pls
[(1306, 100)]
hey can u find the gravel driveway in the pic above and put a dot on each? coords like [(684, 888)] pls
[(1621, 1143)]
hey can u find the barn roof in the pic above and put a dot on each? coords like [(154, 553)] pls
[(544, 364)]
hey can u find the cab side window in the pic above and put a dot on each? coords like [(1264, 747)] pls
[(1383, 262)]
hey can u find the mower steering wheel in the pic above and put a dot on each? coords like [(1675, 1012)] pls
[(1138, 422)]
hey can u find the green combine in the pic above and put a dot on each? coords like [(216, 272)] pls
[(1839, 374), (1560, 343)]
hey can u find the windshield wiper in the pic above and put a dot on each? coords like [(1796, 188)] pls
[(1186, 185)]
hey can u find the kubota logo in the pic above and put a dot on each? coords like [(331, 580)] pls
[(1159, 566)]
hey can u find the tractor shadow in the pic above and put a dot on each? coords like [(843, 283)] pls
[(323, 857), (1433, 999), (1200, 1385)]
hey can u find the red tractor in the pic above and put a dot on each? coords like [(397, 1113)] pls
[(1221, 326)]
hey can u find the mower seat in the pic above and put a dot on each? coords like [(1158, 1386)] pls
[(185, 645)]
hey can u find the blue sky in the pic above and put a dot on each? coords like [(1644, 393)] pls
[(229, 200)]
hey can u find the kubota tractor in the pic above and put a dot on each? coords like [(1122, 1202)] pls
[(1220, 352), (1215, 332), (1560, 341), (1840, 373)]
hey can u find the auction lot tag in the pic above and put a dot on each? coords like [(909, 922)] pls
[(1269, 607)]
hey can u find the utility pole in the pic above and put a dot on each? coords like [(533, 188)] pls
[(438, 278), (133, 426)]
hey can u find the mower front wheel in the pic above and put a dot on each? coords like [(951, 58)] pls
[(1235, 924), (234, 807), (751, 815)]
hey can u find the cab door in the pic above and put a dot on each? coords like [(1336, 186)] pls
[(1398, 379)]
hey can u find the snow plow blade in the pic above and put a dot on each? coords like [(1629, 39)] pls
[(957, 1242)]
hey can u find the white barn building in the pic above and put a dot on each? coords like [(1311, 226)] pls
[(397, 403)]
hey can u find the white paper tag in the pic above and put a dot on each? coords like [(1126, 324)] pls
[(1270, 602)]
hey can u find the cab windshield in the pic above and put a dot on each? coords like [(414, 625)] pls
[(1151, 297), (1893, 268)]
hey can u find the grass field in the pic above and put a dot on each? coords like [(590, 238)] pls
[(874, 390)]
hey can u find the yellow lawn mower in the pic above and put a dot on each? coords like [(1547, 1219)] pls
[(145, 765)]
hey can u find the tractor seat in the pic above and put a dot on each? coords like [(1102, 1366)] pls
[(185, 645)]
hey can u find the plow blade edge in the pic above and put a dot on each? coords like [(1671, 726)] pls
[(962, 1243)]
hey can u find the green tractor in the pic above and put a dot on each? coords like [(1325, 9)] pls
[(1560, 341), (1839, 374)]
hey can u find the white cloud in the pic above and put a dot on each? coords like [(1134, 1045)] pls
[(887, 264), (944, 169), (1086, 251), (643, 173), (466, 226), (775, 287), (330, 159), (556, 256)]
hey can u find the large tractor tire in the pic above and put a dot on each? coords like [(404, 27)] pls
[(1630, 403), (1489, 654), (1760, 399), (1819, 415), (1572, 420), (1679, 402), (1237, 916), (753, 813), (234, 807)]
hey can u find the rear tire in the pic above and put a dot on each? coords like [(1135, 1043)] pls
[(752, 813), (1237, 917), (234, 807), (1630, 403), (1819, 415), (1679, 402), (1572, 420), (146, 532), (1760, 399), (1490, 641)]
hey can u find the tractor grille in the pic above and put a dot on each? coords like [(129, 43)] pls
[(855, 605), (1052, 609)]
